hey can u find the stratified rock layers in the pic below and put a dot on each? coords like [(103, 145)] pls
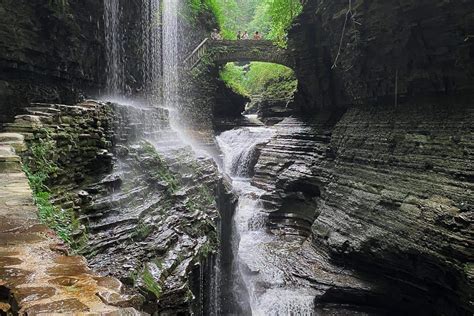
[(379, 173), (36, 274), (143, 206), (388, 192), (380, 50), (50, 51)]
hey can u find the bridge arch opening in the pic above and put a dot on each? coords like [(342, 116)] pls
[(269, 87)]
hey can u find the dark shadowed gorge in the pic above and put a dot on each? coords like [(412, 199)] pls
[(150, 165)]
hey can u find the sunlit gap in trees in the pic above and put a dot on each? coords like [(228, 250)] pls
[(259, 80)]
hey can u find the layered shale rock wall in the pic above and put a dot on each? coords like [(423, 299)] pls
[(55, 51), (140, 206), (378, 172), (208, 104), (390, 200), (408, 48), (36, 274), (50, 51)]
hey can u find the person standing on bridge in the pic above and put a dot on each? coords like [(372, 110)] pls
[(239, 35), (245, 36), (257, 36), (215, 35)]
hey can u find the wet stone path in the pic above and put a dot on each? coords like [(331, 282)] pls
[(37, 276)]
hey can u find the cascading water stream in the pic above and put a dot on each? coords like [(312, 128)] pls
[(260, 255)]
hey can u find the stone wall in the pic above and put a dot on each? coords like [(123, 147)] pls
[(385, 191), (417, 48), (80, 138), (49, 52), (378, 181), (207, 103), (225, 51)]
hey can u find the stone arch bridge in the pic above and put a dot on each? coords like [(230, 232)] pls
[(222, 52)]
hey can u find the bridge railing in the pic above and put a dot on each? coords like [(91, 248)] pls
[(196, 55)]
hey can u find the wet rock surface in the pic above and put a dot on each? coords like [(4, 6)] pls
[(277, 271), (156, 225), (34, 278), (144, 211), (377, 171)]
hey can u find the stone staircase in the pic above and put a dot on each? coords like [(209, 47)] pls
[(37, 275)]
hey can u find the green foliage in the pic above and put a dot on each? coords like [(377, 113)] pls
[(142, 231), (150, 283), (234, 77), (61, 221), (270, 80), (39, 168), (41, 165), (281, 14), (272, 18), (217, 9)]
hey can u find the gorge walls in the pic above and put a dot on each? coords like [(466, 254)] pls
[(120, 188), (414, 48), (51, 51), (377, 171), (55, 51)]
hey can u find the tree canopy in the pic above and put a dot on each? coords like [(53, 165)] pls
[(272, 18)]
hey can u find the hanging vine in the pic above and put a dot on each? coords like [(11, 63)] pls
[(349, 15)]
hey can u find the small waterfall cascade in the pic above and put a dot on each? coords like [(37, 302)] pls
[(260, 255), (115, 71), (241, 149)]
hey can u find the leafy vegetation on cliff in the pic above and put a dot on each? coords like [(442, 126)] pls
[(272, 18), (39, 168), (260, 79)]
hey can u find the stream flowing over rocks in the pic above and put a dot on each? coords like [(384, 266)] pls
[(352, 197)]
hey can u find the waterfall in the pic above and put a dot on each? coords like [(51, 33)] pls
[(241, 149), (151, 39), (159, 65), (261, 256), (117, 52), (170, 53), (115, 71)]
